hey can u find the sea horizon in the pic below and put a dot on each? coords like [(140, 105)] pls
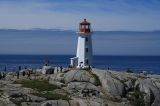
[(113, 62)]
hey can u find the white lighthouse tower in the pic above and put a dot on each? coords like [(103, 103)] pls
[(84, 54)]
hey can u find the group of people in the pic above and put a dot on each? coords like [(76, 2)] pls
[(25, 72), (55, 69)]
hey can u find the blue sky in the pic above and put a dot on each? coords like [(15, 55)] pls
[(104, 14)]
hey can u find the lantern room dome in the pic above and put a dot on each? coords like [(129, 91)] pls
[(85, 22), (84, 26)]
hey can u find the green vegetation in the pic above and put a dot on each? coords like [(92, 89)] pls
[(43, 87), (129, 71), (97, 81), (52, 96), (138, 98), (40, 85), (133, 81)]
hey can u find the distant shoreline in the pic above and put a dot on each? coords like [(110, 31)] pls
[(73, 30)]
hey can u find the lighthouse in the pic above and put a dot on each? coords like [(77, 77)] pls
[(84, 53)]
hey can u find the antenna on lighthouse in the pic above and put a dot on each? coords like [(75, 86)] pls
[(84, 53)]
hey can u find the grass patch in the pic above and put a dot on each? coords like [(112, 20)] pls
[(52, 96), (40, 85)]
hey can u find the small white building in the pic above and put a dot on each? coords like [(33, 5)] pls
[(84, 54)]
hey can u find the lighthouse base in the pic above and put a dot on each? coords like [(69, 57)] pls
[(75, 64)]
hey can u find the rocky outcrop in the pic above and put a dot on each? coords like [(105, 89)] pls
[(78, 76), (84, 88), (110, 84), (55, 103), (151, 91), (75, 102)]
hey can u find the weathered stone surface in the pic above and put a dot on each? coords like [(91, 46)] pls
[(59, 84), (78, 76), (60, 91), (30, 104), (57, 77), (154, 76), (111, 85), (152, 92), (129, 85), (85, 102), (8, 104), (55, 103), (82, 89), (32, 98)]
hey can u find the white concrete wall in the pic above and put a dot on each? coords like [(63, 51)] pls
[(81, 52), (89, 54)]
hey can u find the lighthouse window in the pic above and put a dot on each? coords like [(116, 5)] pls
[(86, 39), (88, 27), (86, 49)]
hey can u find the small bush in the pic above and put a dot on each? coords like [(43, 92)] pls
[(138, 98), (97, 81), (129, 71), (133, 81)]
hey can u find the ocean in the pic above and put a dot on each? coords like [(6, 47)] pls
[(119, 63), (118, 50)]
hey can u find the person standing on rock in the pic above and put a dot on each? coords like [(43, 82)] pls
[(61, 68), (17, 74), (4, 75), (0, 75), (23, 73), (29, 74), (57, 69)]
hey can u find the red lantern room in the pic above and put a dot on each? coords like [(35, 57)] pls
[(84, 26)]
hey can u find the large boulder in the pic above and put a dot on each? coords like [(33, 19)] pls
[(110, 84), (32, 98), (30, 104), (82, 89), (55, 103), (79, 76), (75, 102), (86, 102), (150, 90), (57, 77)]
